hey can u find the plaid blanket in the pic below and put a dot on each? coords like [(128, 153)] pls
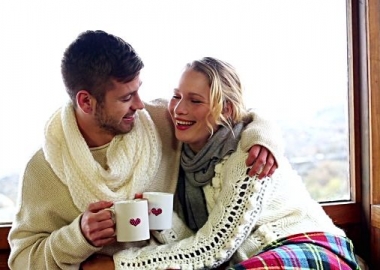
[(315, 250)]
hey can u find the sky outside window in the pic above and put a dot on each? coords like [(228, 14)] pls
[(291, 55)]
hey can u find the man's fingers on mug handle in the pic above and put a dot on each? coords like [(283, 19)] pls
[(105, 241), (98, 206), (112, 212)]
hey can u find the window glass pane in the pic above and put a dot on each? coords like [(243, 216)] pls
[(292, 56)]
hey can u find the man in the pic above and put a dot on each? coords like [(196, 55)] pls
[(100, 147)]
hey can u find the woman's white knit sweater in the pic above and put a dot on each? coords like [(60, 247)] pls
[(46, 230), (246, 214)]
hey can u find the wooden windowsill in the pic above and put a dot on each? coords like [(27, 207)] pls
[(343, 213), (340, 213), (4, 231)]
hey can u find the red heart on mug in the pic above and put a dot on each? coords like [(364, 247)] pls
[(157, 211), (135, 222)]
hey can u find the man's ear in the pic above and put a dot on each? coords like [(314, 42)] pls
[(85, 101)]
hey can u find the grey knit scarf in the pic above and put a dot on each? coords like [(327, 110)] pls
[(197, 170)]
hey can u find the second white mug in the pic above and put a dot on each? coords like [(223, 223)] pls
[(160, 208)]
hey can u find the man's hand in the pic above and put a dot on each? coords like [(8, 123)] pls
[(98, 262), (97, 224), (261, 160)]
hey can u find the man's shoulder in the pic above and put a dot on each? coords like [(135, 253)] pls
[(157, 103), (37, 160), (158, 111)]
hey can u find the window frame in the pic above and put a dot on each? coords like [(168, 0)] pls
[(372, 101), (351, 216)]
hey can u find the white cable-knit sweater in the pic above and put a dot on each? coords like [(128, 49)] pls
[(46, 230), (246, 214)]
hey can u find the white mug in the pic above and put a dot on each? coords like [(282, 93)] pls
[(160, 209), (131, 218)]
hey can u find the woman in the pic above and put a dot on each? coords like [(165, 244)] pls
[(235, 219)]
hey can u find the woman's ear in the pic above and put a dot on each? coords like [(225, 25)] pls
[(227, 110), (85, 102)]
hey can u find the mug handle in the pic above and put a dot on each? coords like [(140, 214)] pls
[(113, 213)]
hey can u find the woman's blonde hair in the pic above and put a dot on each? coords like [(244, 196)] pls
[(225, 88)]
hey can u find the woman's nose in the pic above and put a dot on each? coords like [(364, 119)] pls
[(180, 108)]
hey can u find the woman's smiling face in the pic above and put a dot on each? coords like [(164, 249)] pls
[(190, 109)]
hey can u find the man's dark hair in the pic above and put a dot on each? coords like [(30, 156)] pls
[(96, 58)]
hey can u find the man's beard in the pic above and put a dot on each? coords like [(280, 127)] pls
[(109, 124)]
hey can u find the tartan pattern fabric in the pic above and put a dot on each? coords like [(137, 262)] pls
[(317, 250)]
